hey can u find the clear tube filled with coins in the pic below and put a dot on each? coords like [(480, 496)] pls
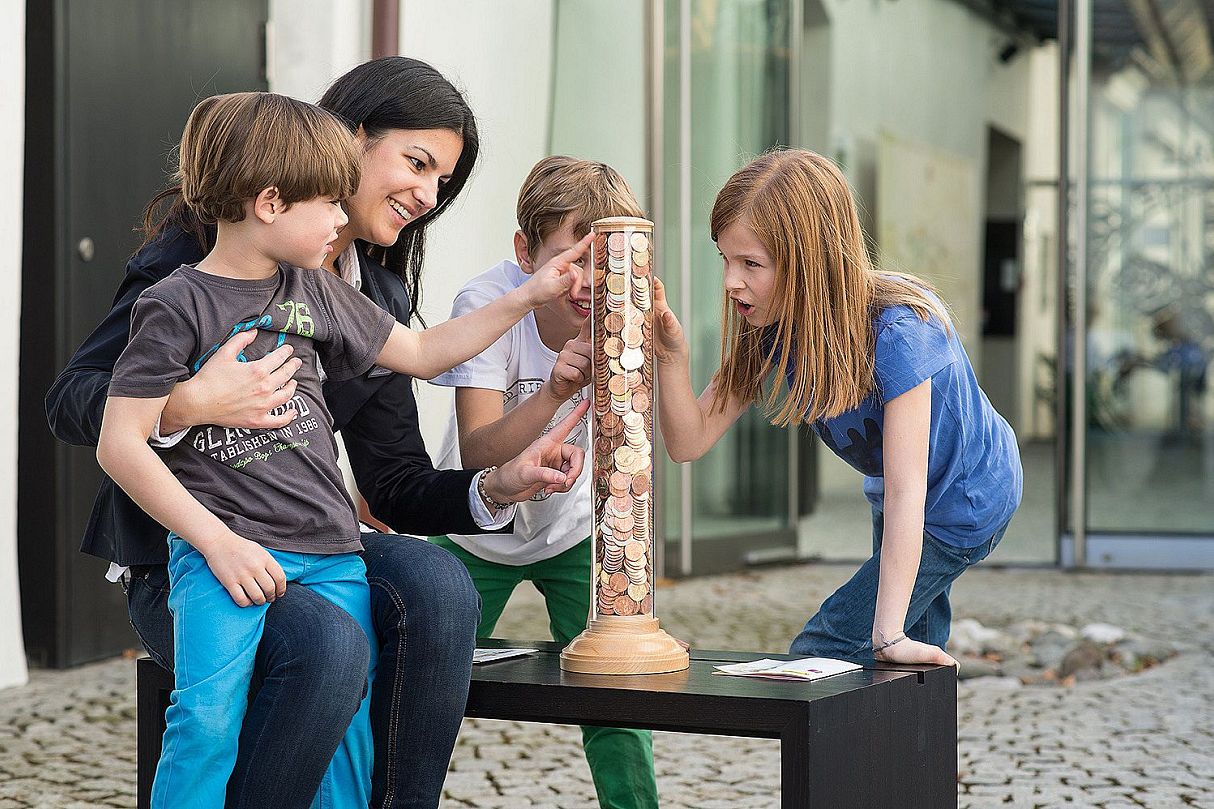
[(622, 635)]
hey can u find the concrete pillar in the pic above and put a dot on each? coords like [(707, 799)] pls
[(12, 141)]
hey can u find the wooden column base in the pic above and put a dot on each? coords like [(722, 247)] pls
[(616, 644)]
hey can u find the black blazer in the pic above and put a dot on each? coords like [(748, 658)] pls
[(376, 413)]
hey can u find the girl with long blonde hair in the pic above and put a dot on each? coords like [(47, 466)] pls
[(814, 333)]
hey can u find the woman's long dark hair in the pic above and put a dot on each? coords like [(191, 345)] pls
[(393, 92)]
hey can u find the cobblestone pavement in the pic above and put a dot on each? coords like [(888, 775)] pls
[(67, 739)]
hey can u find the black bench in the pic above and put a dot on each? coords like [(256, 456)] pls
[(884, 737)]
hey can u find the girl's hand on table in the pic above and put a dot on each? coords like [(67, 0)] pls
[(913, 651)]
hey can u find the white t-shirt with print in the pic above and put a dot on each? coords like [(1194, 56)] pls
[(518, 364)]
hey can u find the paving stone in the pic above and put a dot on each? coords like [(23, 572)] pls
[(67, 739)]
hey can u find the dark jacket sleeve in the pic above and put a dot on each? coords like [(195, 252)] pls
[(76, 400), (377, 416), (394, 472)]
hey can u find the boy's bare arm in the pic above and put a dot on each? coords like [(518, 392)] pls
[(124, 454), (426, 354), (488, 438), (248, 572)]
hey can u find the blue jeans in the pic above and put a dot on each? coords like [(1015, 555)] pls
[(214, 657), (843, 626), (425, 612)]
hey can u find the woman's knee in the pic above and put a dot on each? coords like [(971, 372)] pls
[(420, 580), (312, 645)]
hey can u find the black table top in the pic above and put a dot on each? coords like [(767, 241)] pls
[(535, 688)]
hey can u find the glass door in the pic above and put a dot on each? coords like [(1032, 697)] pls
[(1143, 458), (725, 99)]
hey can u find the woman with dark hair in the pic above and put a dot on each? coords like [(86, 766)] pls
[(419, 145)]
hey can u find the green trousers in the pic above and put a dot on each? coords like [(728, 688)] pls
[(620, 759)]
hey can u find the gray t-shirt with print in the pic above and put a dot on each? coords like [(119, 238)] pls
[(281, 488)]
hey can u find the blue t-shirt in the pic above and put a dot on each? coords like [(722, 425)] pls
[(974, 478)]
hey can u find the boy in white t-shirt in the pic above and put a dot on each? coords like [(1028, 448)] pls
[(521, 386)]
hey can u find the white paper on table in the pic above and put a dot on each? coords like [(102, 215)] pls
[(490, 655), (807, 668)]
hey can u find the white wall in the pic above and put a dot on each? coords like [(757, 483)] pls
[(12, 141), (499, 55), (925, 72), (313, 43)]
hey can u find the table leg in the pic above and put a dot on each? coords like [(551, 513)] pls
[(795, 769), (938, 716), (893, 747), (152, 699)]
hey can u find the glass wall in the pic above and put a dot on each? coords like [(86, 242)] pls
[(949, 127), (726, 77), (598, 89), (1149, 465)]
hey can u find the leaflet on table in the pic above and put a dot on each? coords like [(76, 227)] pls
[(808, 668), (490, 655)]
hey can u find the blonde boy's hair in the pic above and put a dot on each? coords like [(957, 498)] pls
[(560, 186), (235, 146), (827, 291)]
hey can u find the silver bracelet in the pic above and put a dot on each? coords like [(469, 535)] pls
[(901, 637), (480, 489)]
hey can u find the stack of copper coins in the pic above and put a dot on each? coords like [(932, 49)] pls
[(622, 255)]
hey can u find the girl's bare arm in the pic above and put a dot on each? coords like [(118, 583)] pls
[(689, 426), (905, 449)]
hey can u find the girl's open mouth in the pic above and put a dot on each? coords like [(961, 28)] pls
[(582, 307), (744, 309)]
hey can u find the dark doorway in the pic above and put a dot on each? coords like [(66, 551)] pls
[(108, 88), (1001, 271)]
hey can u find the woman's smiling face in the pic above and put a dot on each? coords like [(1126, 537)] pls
[(402, 172)]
